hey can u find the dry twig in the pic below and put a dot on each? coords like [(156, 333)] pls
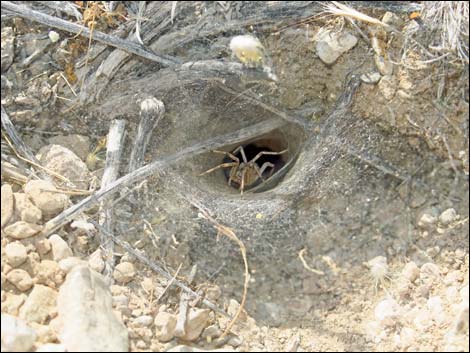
[(229, 233), (123, 44)]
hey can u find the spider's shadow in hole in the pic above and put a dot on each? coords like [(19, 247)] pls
[(251, 150)]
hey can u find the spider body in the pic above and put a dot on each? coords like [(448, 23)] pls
[(245, 172)]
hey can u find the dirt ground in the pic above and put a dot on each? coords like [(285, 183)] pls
[(370, 261)]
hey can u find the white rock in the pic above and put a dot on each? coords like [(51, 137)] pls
[(25, 209), (66, 163), (388, 86), (22, 230), (183, 348), (51, 347), (20, 279), (434, 305), (31, 215), (407, 337), (448, 216), (120, 300), (165, 324), (410, 271), (15, 254), (60, 248), (331, 45), (453, 277), (12, 303), (422, 319), (464, 294), (142, 321), (85, 310), (54, 36), (40, 305), (7, 205), (387, 312), (124, 272), (69, 263), (96, 262), (48, 272), (196, 321), (43, 246), (452, 294), (46, 197), (429, 272), (16, 335), (371, 77), (426, 220)]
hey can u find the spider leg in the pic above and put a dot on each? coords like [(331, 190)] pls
[(223, 165), (242, 152), (230, 155), (242, 185), (267, 153), (264, 166)]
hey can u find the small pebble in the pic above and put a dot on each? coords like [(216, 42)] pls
[(448, 216), (15, 254), (124, 272), (410, 271), (60, 248), (20, 279)]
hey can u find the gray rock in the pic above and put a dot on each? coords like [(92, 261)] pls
[(66, 163), (15, 254), (271, 313), (40, 305), (60, 248), (22, 230), (46, 197), (20, 279), (331, 45), (7, 203), (16, 335), (88, 322)]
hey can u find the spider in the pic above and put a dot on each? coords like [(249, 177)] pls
[(244, 172)]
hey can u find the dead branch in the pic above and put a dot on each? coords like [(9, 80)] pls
[(151, 111), (123, 44), (20, 146), (114, 146)]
